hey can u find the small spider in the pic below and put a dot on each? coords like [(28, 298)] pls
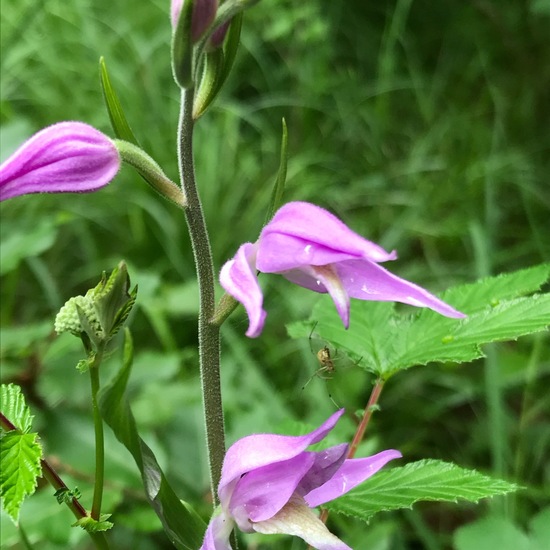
[(326, 362)]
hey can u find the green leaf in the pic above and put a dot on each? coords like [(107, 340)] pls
[(279, 188), (230, 46), (491, 290), (66, 495), (426, 480), (20, 456), (92, 525), (384, 342), (183, 526), (114, 107), (14, 408), (209, 85), (182, 47), (216, 69)]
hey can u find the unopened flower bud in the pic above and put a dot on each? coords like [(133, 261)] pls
[(204, 12), (68, 157)]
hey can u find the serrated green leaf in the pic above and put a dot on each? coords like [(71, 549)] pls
[(184, 528), (20, 456), (383, 342), (114, 107), (66, 495), (14, 408), (426, 480), (492, 290)]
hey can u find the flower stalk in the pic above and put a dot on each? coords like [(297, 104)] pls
[(209, 335), (99, 438)]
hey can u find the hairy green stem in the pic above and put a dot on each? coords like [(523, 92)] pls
[(99, 439), (209, 335)]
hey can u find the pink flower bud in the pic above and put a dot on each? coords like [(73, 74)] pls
[(204, 12), (68, 157)]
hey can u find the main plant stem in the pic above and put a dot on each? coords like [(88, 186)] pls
[(209, 335)]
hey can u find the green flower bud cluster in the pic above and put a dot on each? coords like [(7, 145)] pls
[(69, 317), (99, 314)]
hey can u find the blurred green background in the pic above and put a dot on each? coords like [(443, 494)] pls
[(424, 125)]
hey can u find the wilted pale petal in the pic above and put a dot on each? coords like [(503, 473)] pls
[(261, 493), (68, 157), (258, 450), (218, 532), (297, 519), (352, 472), (302, 234), (368, 281), (238, 278)]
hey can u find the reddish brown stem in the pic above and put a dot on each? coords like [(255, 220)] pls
[(369, 409), (361, 429), (57, 483)]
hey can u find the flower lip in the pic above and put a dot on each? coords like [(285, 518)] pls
[(67, 157)]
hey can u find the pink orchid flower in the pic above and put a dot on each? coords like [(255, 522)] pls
[(312, 248), (68, 157), (270, 482)]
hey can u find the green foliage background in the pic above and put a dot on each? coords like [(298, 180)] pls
[(424, 125)]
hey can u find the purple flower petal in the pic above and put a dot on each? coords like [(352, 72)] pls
[(258, 450), (365, 280), (218, 532), (352, 472), (297, 519), (325, 466), (261, 493), (238, 278), (68, 157), (302, 234)]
